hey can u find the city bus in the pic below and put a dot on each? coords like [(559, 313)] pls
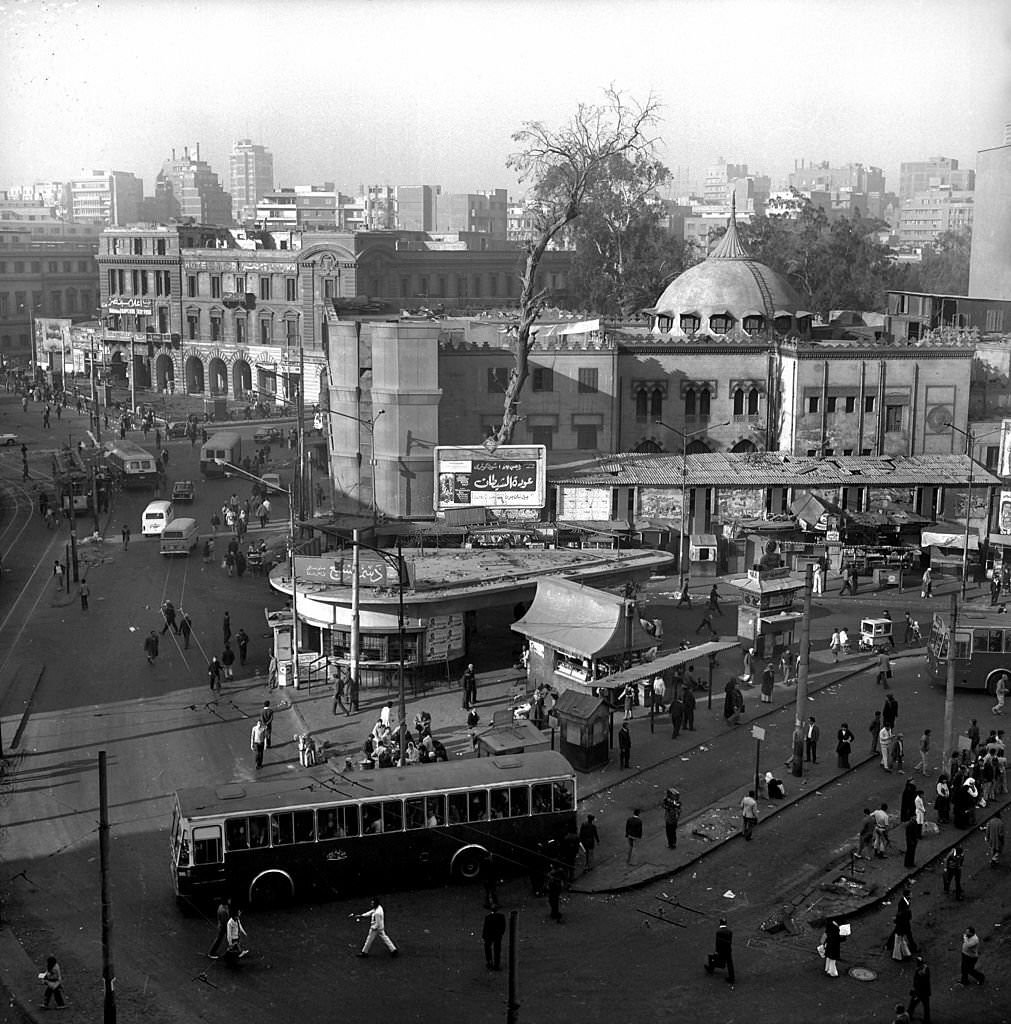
[(982, 648), (225, 446), (269, 842), (130, 465)]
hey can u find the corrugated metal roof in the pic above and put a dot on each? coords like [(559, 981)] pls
[(771, 469)]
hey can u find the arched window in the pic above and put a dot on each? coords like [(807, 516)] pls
[(739, 402), (754, 324), (690, 322), (753, 402), (783, 324), (690, 402), (656, 405), (704, 402), (641, 406), (720, 323)]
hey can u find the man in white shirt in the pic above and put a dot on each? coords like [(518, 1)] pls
[(377, 928), (257, 741), (659, 692), (749, 813)]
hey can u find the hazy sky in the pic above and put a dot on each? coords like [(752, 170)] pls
[(429, 91)]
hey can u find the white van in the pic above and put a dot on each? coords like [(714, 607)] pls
[(156, 517), (180, 537)]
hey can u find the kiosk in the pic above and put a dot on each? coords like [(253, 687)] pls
[(583, 729)]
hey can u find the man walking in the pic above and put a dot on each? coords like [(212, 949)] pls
[(890, 712), (749, 814), (224, 912), (953, 871), (811, 734), (624, 745), (186, 630), (995, 839), (723, 954), (267, 720), (151, 646), (671, 816), (589, 838), (168, 614), (257, 741), (884, 667), (714, 601), (919, 994), (214, 674), (707, 623), (377, 928), (339, 683), (633, 832), (924, 753), (688, 707), (84, 590), (970, 957), (491, 934), (676, 713), (242, 642), (927, 588), (228, 660), (468, 686)]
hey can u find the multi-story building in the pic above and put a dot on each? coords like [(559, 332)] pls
[(250, 177), (823, 177), (416, 207), (53, 195), (187, 189), (106, 197), (925, 216), (380, 207), (43, 274), (990, 261), (936, 172), (481, 212), (301, 208), (718, 177)]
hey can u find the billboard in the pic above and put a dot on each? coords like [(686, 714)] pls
[(510, 476), (51, 335), (1004, 459)]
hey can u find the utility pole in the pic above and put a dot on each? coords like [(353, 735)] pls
[(948, 741), (356, 594), (512, 1004), (805, 658), (108, 976)]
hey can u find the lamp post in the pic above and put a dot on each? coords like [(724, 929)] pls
[(970, 441), (686, 574), (291, 562)]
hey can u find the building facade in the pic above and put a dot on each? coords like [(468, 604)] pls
[(936, 172), (187, 189), (106, 197), (990, 261), (250, 177), (416, 207), (925, 216)]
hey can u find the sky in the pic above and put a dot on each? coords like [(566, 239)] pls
[(430, 91)]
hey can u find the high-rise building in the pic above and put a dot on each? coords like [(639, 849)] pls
[(250, 177), (718, 177), (935, 172), (106, 197), (416, 207), (990, 261), (186, 188), (483, 212)]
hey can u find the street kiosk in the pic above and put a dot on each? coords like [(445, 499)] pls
[(583, 729)]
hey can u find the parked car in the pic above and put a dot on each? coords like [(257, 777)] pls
[(272, 482), (183, 490), (266, 435), (8, 439), (177, 428)]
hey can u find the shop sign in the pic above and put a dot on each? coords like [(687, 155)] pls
[(337, 572), (138, 306), (511, 476)]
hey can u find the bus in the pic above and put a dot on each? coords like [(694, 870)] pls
[(269, 842), (982, 648), (130, 465), (225, 446)]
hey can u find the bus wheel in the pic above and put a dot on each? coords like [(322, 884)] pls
[(271, 889), (467, 864), (991, 680)]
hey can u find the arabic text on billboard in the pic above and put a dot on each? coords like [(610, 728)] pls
[(511, 477)]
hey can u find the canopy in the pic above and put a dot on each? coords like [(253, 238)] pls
[(648, 669), (583, 621), (943, 538), (809, 508)]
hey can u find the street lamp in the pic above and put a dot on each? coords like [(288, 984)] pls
[(971, 439), (686, 574)]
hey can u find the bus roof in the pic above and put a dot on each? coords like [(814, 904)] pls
[(977, 615), (322, 786), (224, 438), (130, 448)]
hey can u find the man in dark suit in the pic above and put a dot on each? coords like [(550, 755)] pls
[(811, 734), (723, 956), (491, 933)]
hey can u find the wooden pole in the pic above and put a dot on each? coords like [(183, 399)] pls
[(805, 660), (108, 974)]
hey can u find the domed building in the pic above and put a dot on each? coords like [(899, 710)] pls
[(730, 295)]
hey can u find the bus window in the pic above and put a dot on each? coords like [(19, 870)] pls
[(372, 819), (519, 802), (963, 643), (435, 811), (282, 831), (237, 834), (477, 805), (500, 803), (206, 845), (563, 796), (457, 808), (348, 818), (393, 816), (305, 826), (327, 826), (259, 833), (414, 811), (987, 640), (542, 798)]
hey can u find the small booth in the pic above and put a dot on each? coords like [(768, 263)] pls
[(583, 729), (946, 542), (578, 635), (998, 558), (703, 556), (510, 735), (766, 620)]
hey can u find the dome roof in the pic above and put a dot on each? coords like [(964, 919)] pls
[(728, 281)]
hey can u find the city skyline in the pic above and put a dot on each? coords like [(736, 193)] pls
[(431, 103)]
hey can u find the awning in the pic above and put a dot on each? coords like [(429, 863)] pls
[(582, 621), (648, 669), (943, 539), (781, 619), (595, 525), (1002, 540)]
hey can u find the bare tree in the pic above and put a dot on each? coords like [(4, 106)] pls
[(567, 168)]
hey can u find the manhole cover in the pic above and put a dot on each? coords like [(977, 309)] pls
[(862, 974)]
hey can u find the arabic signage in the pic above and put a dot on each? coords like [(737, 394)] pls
[(51, 335), (337, 571), (512, 476), (141, 307)]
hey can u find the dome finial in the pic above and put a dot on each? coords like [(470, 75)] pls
[(730, 246)]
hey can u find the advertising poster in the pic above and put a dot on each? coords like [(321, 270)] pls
[(52, 335), (660, 502), (512, 476)]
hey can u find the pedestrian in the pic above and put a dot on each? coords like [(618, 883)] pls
[(633, 832), (942, 799), (902, 937), (907, 802), (468, 687), (920, 992), (970, 957), (884, 670), (1001, 694), (151, 646), (339, 686), (832, 947), (749, 814), (224, 912), (125, 534), (835, 644), (912, 838), (242, 642), (589, 839), (811, 734), (924, 753), (707, 623), (973, 733), (226, 628), (671, 816), (352, 692), (377, 929), (236, 933), (186, 630), (58, 573), (843, 746), (487, 873), (723, 952), (866, 838), (52, 981), (875, 730), (659, 695), (994, 589), (257, 742), (890, 711), (849, 580), (628, 699), (995, 839), (684, 597), (228, 660), (492, 932), (688, 707), (554, 888), (473, 720), (676, 712), (214, 674), (768, 682), (168, 614), (953, 871), (624, 745), (907, 636), (818, 578), (714, 601), (267, 718), (85, 591), (927, 587)]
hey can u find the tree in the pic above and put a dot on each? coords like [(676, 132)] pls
[(567, 170), (944, 266)]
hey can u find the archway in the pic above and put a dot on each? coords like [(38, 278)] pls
[(164, 372), (648, 447), (194, 376), (698, 448), (218, 373), (242, 379), (744, 447)]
